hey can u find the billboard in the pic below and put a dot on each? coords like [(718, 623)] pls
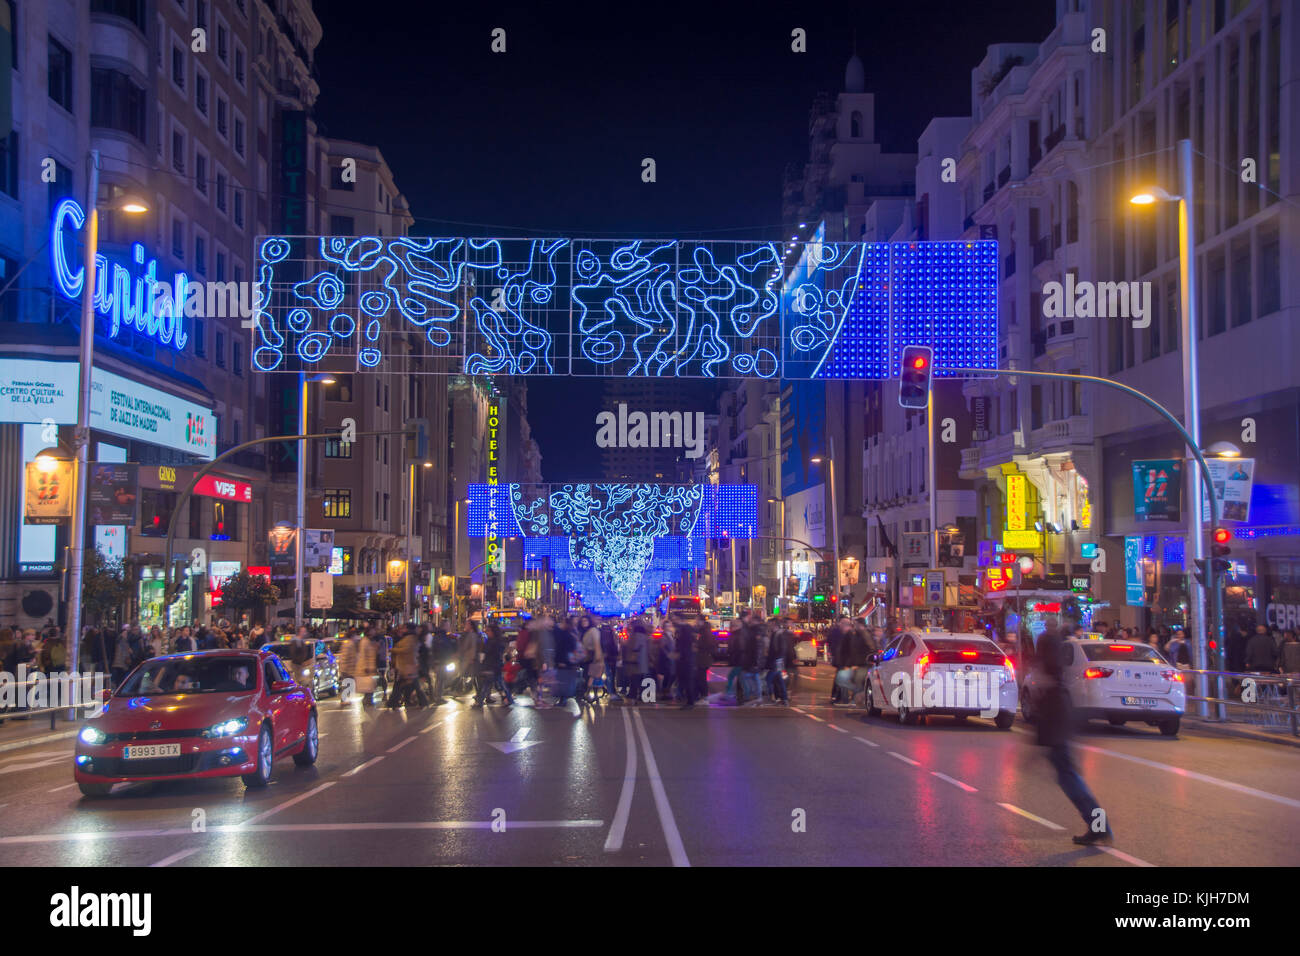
[(111, 494), (50, 488), (1157, 490)]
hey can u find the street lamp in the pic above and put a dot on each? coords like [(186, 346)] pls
[(1224, 449), (835, 511), (780, 565), (1191, 389), (81, 437), (303, 382)]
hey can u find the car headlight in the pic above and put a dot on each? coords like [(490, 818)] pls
[(451, 668), (92, 735), (227, 728)]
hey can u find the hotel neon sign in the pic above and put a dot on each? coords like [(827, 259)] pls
[(137, 301)]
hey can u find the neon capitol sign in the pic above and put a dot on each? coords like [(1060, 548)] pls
[(137, 301)]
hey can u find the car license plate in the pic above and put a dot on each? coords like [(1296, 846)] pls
[(145, 751), (1141, 702)]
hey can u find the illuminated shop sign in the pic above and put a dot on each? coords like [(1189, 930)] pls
[(127, 296)]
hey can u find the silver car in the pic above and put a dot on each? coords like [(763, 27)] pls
[(320, 671), (923, 673)]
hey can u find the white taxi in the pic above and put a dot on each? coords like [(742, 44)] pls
[(1118, 681), (923, 673)]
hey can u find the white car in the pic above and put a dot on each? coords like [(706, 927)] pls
[(922, 673), (1117, 681), (805, 649)]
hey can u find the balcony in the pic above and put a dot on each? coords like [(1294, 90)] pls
[(1054, 137), (1053, 436), (970, 459), (1004, 176)]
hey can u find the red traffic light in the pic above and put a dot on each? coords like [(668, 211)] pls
[(918, 362), (1222, 535)]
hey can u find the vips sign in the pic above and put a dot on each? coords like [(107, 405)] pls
[(112, 494), (49, 491)]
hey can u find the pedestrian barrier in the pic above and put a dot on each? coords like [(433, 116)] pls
[(1264, 700)]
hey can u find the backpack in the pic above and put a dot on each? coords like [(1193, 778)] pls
[(58, 656)]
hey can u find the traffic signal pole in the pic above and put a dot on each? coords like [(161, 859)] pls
[(1211, 579)]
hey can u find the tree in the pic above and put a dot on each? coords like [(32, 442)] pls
[(104, 587), (346, 602), (391, 600), (243, 591)]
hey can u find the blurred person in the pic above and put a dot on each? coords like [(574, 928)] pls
[(1178, 651), (593, 664), (780, 652), (636, 659), (491, 663), (568, 657), (685, 638), (349, 656), (406, 662), (705, 647), (444, 653), (609, 650), (1261, 652), (1055, 720), (1288, 660)]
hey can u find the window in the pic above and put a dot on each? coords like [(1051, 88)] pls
[(116, 102), (221, 266), (379, 395), (1241, 313), (385, 506), (201, 14), (340, 390), (200, 255), (1216, 297), (385, 446), (200, 338), (13, 33), (60, 71), (178, 67), (178, 151), (338, 502), (239, 207), (1270, 286), (223, 43), (337, 448), (200, 172), (239, 136), (237, 360), (201, 92), (9, 165), (338, 182), (342, 225), (225, 521), (220, 357), (223, 121), (222, 186), (239, 65), (156, 511), (385, 398), (196, 517), (178, 240)]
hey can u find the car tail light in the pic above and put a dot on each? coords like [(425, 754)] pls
[(1121, 647), (923, 663), (1098, 672), (1011, 668), (1174, 676), (970, 655)]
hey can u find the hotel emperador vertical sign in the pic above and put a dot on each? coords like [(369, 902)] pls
[(495, 557)]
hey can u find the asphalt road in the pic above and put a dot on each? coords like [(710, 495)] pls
[(655, 785)]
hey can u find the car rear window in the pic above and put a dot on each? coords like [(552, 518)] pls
[(1141, 653), (967, 650), (959, 644)]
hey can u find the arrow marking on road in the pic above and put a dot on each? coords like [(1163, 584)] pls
[(515, 743)]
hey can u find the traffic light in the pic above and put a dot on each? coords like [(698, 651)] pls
[(914, 383), (1219, 552)]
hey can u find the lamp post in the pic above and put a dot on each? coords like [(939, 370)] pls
[(303, 382), (835, 513), (780, 564), (1191, 389), (81, 437)]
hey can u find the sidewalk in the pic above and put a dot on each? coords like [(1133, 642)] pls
[(15, 734), (1235, 727)]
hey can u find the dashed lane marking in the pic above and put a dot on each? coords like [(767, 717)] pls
[(914, 763), (408, 740), (864, 740), (286, 805), (954, 781), (1121, 855), (1029, 816), (368, 763)]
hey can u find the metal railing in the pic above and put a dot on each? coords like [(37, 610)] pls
[(1266, 700)]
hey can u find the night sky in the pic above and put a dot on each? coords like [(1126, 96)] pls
[(548, 138)]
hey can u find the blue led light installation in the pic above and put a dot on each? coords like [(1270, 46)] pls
[(637, 307), (615, 544)]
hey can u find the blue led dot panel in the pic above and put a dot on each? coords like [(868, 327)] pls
[(648, 308)]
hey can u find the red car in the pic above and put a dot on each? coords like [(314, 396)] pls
[(206, 714)]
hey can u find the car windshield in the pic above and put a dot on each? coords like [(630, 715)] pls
[(191, 675), (285, 651), (1137, 653)]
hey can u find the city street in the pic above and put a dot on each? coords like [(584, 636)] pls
[(716, 785)]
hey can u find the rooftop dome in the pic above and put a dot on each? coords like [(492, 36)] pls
[(855, 77)]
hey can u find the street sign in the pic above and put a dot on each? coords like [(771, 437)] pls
[(322, 589), (934, 588)]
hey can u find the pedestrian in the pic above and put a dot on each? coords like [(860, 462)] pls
[(1178, 651), (636, 659), (568, 655), (348, 657), (406, 662), (1261, 652), (593, 664), (444, 654), (1289, 657), (1054, 722), (609, 650), (684, 640), (122, 659), (704, 648), (779, 651), (491, 663)]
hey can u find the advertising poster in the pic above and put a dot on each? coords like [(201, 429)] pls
[(1134, 583), (1233, 479), (49, 491), (281, 546), (318, 549), (1157, 490), (322, 589), (111, 494)]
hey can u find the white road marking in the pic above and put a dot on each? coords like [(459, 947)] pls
[(515, 743), (614, 841), (1193, 775), (238, 829), (864, 740), (954, 781), (1029, 816), (368, 763), (176, 857), (39, 755), (19, 766), (1120, 854), (64, 787), (431, 727), (288, 803), (666, 822), (839, 729), (914, 763), (401, 745), (820, 720)]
